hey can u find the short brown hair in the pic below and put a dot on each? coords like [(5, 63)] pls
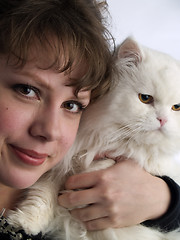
[(78, 27)]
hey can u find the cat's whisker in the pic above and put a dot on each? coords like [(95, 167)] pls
[(123, 133), (133, 136)]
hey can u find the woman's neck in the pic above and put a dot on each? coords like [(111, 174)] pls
[(9, 197)]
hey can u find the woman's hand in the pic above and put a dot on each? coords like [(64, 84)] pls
[(120, 196)]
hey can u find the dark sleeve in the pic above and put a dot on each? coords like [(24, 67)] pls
[(171, 219)]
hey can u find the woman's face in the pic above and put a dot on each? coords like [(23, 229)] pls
[(39, 118)]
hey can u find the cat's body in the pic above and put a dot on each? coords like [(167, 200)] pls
[(138, 118)]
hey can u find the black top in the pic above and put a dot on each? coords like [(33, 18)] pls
[(168, 222)]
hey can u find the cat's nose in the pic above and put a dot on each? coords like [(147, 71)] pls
[(162, 121)]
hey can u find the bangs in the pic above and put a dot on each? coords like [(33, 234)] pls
[(63, 33), (60, 54)]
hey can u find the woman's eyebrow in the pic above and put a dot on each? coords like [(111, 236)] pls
[(35, 78)]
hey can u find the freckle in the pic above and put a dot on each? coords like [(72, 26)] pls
[(6, 108)]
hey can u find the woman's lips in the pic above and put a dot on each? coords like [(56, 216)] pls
[(29, 157)]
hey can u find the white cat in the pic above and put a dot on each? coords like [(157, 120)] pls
[(138, 118)]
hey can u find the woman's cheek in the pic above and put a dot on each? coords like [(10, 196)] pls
[(70, 133), (12, 118)]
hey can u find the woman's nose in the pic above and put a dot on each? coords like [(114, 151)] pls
[(46, 125)]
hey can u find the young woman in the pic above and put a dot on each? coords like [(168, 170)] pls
[(55, 59)]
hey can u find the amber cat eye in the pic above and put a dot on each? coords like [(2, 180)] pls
[(176, 107), (145, 98)]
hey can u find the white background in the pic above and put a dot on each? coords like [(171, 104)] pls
[(154, 23)]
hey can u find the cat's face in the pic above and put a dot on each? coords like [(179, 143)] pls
[(148, 98), (145, 104)]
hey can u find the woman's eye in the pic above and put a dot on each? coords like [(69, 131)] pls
[(176, 107), (27, 90), (145, 98), (73, 106)]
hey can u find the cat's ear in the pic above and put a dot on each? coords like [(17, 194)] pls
[(130, 49)]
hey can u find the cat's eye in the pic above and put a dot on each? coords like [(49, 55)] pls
[(176, 107), (145, 98)]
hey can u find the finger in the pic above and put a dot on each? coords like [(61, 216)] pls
[(84, 180), (74, 199), (98, 224), (89, 213)]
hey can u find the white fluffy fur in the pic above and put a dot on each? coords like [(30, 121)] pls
[(121, 124)]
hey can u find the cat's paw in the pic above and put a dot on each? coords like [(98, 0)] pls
[(31, 220), (34, 213)]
